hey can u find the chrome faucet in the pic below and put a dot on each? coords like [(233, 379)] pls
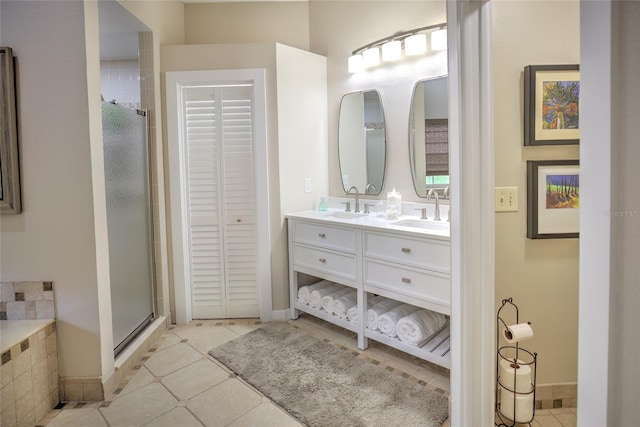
[(370, 186), (432, 192), (357, 207), (446, 193)]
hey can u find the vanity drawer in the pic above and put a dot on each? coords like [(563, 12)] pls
[(410, 282), (431, 254), (337, 264), (342, 239)]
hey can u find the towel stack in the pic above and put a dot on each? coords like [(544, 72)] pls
[(380, 308), (412, 325), (418, 327), (304, 292), (387, 321), (344, 303), (330, 297), (328, 301)]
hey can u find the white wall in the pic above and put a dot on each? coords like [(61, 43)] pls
[(54, 238), (624, 345), (302, 127), (338, 28), (541, 275), (610, 218)]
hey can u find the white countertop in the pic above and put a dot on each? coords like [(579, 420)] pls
[(13, 332), (374, 222)]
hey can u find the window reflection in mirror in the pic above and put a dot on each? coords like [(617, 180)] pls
[(362, 147), (428, 135)]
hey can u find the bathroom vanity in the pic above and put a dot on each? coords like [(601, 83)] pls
[(407, 260)]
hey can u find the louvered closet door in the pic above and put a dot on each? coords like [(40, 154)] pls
[(221, 201)]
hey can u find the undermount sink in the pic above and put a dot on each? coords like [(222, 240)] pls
[(423, 223), (347, 215)]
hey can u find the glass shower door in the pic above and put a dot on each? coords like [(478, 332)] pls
[(129, 221)]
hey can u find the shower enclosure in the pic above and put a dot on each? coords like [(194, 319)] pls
[(126, 162)]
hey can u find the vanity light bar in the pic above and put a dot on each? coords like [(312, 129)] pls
[(415, 43)]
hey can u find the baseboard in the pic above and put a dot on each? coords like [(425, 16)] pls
[(280, 315), (85, 389)]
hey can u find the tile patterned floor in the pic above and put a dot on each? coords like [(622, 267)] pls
[(179, 384)]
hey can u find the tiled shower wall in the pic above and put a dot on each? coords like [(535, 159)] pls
[(120, 81)]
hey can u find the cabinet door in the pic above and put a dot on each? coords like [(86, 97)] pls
[(239, 203), (221, 200)]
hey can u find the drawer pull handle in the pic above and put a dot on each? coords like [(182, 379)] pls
[(322, 260), (322, 235), (406, 250), (406, 280)]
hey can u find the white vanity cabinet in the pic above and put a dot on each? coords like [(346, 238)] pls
[(376, 258), (327, 252), (413, 270)]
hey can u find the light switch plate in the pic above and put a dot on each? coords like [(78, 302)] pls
[(506, 199), (307, 185)]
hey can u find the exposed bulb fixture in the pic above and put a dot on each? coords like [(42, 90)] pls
[(392, 51), (371, 57), (439, 40), (415, 43)]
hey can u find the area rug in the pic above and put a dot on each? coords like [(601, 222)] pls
[(325, 386)]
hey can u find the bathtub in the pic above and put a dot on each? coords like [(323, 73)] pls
[(29, 371)]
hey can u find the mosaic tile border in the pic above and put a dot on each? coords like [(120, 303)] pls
[(26, 300)]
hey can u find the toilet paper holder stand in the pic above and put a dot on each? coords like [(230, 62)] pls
[(522, 409)]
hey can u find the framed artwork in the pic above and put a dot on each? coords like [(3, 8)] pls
[(551, 104), (10, 200), (553, 199)]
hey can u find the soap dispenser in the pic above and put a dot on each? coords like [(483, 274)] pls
[(393, 204)]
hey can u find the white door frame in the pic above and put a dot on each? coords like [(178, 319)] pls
[(175, 81), (472, 225)]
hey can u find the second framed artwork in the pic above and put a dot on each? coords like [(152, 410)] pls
[(553, 199), (551, 104)]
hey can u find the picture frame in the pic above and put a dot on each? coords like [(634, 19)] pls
[(551, 104), (10, 196), (553, 199)]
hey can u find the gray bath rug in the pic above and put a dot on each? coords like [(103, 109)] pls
[(324, 386)]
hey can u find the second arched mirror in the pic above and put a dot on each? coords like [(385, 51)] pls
[(429, 135), (362, 146)]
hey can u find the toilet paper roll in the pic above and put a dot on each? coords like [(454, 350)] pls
[(523, 410), (517, 333), (515, 376)]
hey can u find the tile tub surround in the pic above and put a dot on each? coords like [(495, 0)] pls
[(26, 300), (29, 377)]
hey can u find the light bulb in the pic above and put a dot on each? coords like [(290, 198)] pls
[(371, 57), (392, 50), (439, 40), (415, 45), (355, 64)]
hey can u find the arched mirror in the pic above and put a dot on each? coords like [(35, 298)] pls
[(429, 135), (362, 146)]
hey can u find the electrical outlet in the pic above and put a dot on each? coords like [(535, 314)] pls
[(506, 199), (307, 185)]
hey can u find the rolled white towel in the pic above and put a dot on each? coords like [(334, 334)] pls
[(387, 322), (344, 303), (419, 326), (305, 291), (374, 312), (315, 299), (352, 313), (327, 300)]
